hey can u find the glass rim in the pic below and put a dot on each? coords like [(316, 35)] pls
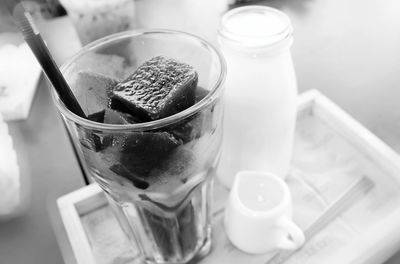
[(197, 107), (237, 38)]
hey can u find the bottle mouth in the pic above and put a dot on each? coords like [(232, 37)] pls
[(255, 26), (215, 90)]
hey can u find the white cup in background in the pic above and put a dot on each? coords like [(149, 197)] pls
[(258, 216), (94, 19)]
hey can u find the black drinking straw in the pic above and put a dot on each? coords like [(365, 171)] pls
[(24, 22)]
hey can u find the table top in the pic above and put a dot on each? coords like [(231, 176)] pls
[(346, 49)]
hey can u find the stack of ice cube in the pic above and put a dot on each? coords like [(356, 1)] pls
[(10, 197)]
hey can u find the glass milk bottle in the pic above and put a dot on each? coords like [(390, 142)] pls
[(261, 91)]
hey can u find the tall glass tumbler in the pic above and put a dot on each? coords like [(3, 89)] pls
[(162, 187)]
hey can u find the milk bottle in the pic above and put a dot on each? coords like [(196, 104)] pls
[(261, 90)]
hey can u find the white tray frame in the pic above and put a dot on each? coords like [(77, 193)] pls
[(71, 207), (386, 240), (386, 237)]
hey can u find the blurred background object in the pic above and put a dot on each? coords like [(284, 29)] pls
[(45, 8), (199, 17), (38, 8), (13, 194), (346, 49), (94, 19), (6, 23), (19, 75)]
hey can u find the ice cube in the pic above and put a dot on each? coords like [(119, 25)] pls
[(142, 152), (97, 117), (122, 171), (200, 93), (112, 66), (193, 127), (89, 140), (97, 141), (158, 88), (93, 90), (118, 118)]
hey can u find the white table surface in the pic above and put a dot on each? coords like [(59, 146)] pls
[(349, 50)]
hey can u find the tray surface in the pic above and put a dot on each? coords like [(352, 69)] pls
[(327, 159)]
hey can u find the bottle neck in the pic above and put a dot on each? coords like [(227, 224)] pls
[(256, 30)]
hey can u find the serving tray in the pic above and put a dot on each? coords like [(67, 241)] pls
[(331, 152)]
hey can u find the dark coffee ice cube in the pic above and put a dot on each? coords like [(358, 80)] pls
[(110, 116), (118, 118), (192, 127), (98, 142), (97, 117), (142, 152), (112, 66), (158, 88), (93, 91), (137, 181), (187, 130), (200, 93), (88, 139)]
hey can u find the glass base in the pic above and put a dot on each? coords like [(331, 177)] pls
[(176, 237), (204, 251)]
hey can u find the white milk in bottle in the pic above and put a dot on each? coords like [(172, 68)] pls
[(261, 91)]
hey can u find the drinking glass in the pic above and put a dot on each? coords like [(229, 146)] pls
[(161, 184)]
